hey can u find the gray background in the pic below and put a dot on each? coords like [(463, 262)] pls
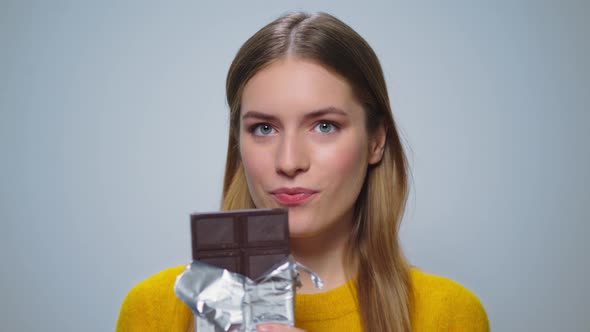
[(113, 129)]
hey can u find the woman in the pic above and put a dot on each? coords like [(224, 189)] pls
[(311, 129)]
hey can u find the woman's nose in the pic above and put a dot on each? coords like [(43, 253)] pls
[(292, 156)]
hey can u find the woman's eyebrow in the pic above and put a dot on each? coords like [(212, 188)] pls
[(258, 115), (313, 114), (325, 111)]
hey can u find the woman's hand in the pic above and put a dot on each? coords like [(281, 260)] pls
[(266, 327)]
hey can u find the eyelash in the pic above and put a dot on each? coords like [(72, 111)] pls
[(253, 128)]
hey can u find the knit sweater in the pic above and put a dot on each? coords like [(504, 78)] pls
[(440, 304)]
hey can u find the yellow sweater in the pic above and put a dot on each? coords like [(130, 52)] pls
[(440, 304)]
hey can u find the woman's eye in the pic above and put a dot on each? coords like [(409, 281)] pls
[(325, 127), (263, 129)]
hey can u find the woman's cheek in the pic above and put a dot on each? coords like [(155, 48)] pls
[(252, 159), (257, 167), (343, 161)]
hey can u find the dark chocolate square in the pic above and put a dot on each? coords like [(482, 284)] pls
[(249, 242)]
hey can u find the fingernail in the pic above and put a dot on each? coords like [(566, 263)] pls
[(264, 328)]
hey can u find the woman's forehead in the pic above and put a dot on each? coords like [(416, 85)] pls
[(295, 85)]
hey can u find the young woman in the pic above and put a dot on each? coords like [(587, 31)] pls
[(311, 129)]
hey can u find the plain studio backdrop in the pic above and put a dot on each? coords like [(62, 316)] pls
[(113, 129)]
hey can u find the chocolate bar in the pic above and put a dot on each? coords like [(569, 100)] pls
[(249, 242)]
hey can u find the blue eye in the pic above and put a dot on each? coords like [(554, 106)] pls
[(325, 127), (262, 129)]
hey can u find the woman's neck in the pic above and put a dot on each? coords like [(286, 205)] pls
[(324, 254)]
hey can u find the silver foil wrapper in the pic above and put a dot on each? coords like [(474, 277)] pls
[(224, 301)]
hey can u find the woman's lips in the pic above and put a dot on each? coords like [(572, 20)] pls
[(293, 196)]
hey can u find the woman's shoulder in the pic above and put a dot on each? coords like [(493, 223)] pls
[(442, 301), (433, 284), (158, 284), (152, 304)]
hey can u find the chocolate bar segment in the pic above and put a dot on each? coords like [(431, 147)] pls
[(249, 242), (216, 233)]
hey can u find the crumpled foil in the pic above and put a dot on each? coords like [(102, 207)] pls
[(223, 301)]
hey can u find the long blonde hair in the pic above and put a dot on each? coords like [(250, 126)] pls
[(382, 272)]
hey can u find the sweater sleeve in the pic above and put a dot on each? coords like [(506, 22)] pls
[(151, 305), (133, 311), (467, 313)]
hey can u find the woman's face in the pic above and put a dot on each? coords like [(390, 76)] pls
[(304, 145)]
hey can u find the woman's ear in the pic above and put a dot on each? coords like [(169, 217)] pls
[(377, 145)]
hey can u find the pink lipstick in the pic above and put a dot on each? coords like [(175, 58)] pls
[(293, 196)]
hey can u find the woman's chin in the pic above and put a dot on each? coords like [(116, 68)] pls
[(297, 232)]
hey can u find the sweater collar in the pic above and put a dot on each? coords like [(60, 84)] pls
[(331, 304)]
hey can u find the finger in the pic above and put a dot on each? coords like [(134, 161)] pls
[(273, 327)]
